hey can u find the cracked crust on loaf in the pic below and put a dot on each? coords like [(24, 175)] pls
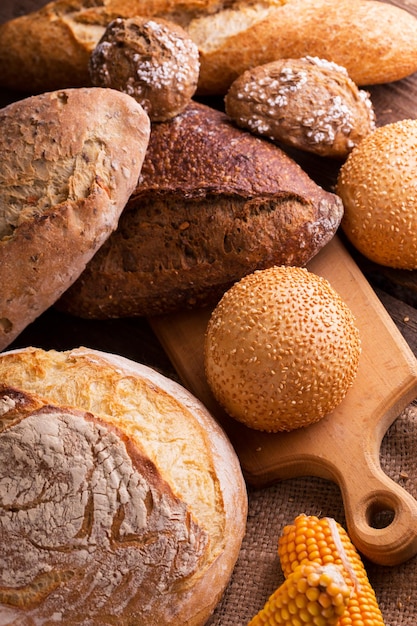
[(70, 160), (149, 504)]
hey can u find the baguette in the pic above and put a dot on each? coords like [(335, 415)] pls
[(70, 160), (148, 499), (213, 203), (376, 41), (50, 48)]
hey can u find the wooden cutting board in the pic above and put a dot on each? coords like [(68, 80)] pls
[(343, 447)]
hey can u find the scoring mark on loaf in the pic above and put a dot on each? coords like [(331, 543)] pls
[(212, 31), (82, 504)]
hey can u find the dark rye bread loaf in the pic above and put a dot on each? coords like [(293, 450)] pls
[(213, 204)]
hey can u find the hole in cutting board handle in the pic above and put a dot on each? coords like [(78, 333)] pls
[(380, 514), (383, 525)]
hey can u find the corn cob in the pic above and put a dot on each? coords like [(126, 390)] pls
[(310, 539), (313, 594)]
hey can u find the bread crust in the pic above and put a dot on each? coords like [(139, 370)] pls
[(153, 60), (160, 422), (310, 104), (50, 48), (375, 41), (376, 184), (213, 203), (70, 160)]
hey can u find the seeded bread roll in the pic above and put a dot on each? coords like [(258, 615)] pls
[(377, 184), (375, 41), (213, 203), (281, 349), (70, 160), (309, 103), (152, 60), (122, 499)]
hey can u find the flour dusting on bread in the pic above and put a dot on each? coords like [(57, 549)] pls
[(122, 498), (152, 60), (308, 103)]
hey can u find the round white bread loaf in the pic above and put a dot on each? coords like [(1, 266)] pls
[(70, 160), (123, 501)]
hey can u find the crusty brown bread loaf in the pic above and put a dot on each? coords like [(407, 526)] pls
[(123, 501), (213, 203), (69, 162), (50, 48), (375, 41)]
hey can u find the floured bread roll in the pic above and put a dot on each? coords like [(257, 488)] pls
[(122, 500), (308, 103), (152, 60), (69, 161)]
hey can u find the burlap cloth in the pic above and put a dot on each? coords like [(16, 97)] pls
[(258, 573)]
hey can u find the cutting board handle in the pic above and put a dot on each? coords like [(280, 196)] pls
[(381, 517)]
